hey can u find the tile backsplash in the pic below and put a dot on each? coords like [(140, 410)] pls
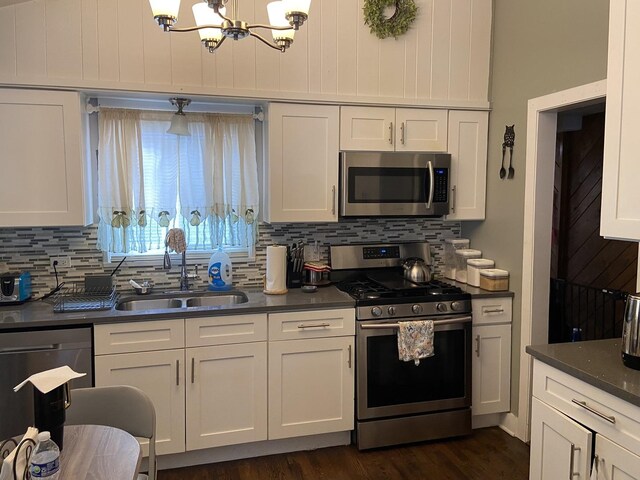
[(31, 248)]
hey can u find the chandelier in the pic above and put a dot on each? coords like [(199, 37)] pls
[(214, 26)]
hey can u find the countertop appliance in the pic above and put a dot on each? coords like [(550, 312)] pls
[(394, 184), (27, 352), (398, 402), (15, 287), (631, 332)]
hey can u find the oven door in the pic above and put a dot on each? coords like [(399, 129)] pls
[(392, 184), (389, 387)]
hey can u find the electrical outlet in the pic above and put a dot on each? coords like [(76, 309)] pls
[(63, 262)]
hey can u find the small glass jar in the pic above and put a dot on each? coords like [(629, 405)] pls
[(461, 262), (450, 247)]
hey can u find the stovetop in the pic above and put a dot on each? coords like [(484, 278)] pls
[(368, 291)]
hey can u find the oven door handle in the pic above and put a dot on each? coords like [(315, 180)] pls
[(431, 184), (436, 323)]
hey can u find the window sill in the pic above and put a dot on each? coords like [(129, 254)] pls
[(156, 260)]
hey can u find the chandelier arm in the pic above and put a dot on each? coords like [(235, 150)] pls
[(280, 49), (213, 49), (271, 27), (193, 29)]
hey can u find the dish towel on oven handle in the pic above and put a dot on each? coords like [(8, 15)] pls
[(415, 340)]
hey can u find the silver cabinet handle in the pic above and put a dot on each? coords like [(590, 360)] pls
[(497, 310), (453, 199), (571, 462), (349, 360), (333, 197), (177, 373), (193, 369), (402, 133), (314, 325), (477, 345), (608, 418), (391, 133)]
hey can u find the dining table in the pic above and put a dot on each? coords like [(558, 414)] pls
[(99, 452)]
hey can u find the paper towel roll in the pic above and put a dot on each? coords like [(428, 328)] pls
[(276, 279)]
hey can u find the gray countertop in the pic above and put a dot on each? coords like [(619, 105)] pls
[(40, 314), (477, 292), (597, 362)]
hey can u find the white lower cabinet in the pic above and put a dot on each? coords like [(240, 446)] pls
[(160, 375), (311, 386), (491, 360), (565, 415), (615, 462), (226, 395), (217, 381), (562, 446)]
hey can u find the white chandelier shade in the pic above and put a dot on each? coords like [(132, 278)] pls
[(214, 25)]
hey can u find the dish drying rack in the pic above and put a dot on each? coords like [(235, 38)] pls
[(80, 299)]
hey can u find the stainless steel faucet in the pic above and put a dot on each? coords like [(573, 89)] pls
[(184, 277)]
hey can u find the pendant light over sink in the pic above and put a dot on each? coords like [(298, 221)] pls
[(214, 26)]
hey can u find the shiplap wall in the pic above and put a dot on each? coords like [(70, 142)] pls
[(116, 44)]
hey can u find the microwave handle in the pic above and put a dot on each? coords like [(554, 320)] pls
[(431, 184)]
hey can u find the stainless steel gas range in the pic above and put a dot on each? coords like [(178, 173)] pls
[(398, 402)]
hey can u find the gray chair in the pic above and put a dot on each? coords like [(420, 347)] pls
[(124, 407)]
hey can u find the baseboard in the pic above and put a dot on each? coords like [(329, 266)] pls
[(484, 421), (250, 450), (509, 424)]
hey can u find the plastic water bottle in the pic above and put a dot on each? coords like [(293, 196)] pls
[(45, 459)]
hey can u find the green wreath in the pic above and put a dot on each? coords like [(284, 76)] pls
[(395, 26)]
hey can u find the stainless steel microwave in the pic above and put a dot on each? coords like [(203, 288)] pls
[(394, 184)]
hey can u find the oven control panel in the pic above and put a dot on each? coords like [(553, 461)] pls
[(370, 253), (414, 310)]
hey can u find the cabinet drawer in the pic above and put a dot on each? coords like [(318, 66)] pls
[(225, 330), (313, 324), (488, 311), (139, 336), (562, 391)]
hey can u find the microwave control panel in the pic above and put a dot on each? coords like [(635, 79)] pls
[(441, 185)]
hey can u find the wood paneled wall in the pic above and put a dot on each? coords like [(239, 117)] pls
[(116, 44)]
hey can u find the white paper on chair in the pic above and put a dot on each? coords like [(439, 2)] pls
[(50, 379), (6, 473)]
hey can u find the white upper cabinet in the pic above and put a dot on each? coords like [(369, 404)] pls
[(383, 129), (45, 176), (468, 131), (301, 167), (620, 216)]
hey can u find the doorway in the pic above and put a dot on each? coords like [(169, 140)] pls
[(590, 275)]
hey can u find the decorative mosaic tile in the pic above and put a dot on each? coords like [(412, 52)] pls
[(30, 249)]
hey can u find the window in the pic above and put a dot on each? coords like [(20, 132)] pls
[(150, 181)]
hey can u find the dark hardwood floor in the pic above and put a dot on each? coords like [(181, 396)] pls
[(487, 454)]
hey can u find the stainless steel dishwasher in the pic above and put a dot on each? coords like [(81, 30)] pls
[(24, 353)]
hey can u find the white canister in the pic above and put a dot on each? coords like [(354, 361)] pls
[(494, 279), (461, 262), (474, 265)]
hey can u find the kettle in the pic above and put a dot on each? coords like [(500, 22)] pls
[(631, 332), (416, 270)]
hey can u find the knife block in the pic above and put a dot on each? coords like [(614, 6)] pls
[(294, 278)]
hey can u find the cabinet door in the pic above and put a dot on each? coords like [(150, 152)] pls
[(367, 129), (560, 447), (468, 132), (43, 160), (620, 216), (161, 376), (311, 387), (491, 369), (421, 130), (226, 395), (302, 165), (615, 462)]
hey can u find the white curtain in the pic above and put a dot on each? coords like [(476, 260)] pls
[(150, 181)]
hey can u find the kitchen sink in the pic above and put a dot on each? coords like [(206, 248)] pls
[(149, 304), (217, 300), (182, 300)]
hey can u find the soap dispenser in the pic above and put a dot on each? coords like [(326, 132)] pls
[(220, 271)]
